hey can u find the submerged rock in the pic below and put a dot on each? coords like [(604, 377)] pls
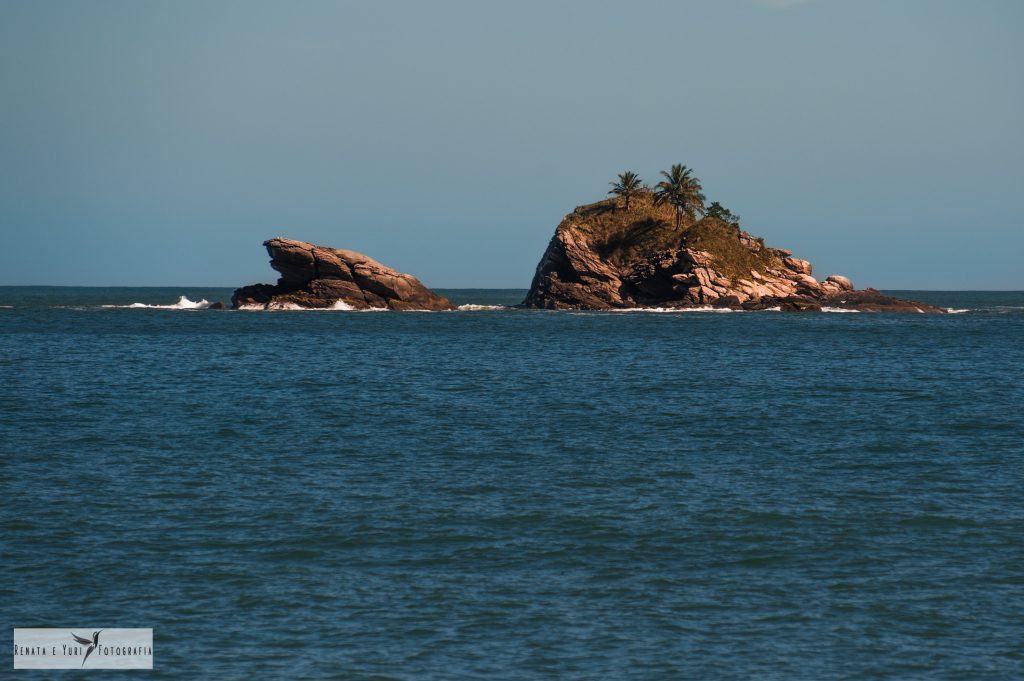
[(319, 277), (606, 257)]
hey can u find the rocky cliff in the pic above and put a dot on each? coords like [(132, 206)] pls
[(320, 277), (604, 257)]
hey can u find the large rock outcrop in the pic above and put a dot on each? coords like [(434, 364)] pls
[(320, 277), (605, 257)]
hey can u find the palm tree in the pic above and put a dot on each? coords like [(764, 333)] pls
[(681, 190), (628, 185)]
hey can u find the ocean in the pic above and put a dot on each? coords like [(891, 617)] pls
[(499, 493)]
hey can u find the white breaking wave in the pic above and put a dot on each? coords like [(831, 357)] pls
[(473, 307), (953, 310), (338, 306), (672, 309), (345, 307), (283, 306), (183, 304), (839, 309)]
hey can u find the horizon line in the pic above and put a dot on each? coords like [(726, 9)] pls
[(470, 288)]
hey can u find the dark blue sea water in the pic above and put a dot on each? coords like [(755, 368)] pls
[(511, 494)]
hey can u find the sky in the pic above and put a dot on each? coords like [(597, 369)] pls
[(160, 143)]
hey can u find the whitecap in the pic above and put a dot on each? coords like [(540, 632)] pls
[(338, 306), (183, 304), (284, 306), (342, 306), (473, 307), (837, 309), (672, 309), (953, 310)]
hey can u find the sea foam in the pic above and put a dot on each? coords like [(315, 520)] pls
[(672, 309), (183, 304), (338, 306)]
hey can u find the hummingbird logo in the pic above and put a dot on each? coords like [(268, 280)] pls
[(86, 642)]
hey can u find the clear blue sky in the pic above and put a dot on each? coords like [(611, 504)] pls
[(159, 143)]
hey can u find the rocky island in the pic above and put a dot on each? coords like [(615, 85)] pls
[(316, 277), (647, 248)]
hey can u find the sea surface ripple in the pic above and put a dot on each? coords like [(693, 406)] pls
[(511, 494)]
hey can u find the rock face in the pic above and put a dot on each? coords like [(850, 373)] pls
[(319, 277), (605, 257)]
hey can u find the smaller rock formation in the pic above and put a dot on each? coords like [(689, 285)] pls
[(318, 277)]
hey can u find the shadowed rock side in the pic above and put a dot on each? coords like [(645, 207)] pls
[(605, 257), (318, 277)]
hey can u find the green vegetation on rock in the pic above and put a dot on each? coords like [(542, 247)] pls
[(717, 210), (628, 186), (680, 189), (649, 222), (734, 253)]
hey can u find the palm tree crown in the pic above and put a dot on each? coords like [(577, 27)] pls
[(681, 190), (629, 185)]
